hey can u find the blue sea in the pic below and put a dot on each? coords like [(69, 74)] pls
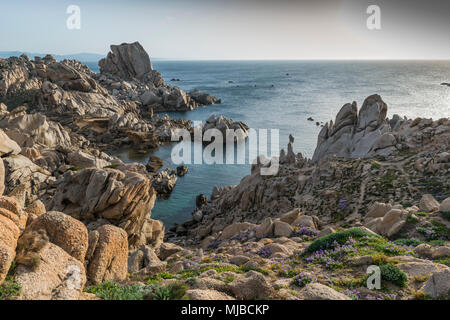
[(282, 95)]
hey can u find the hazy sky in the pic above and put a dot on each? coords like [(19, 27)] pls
[(232, 29)]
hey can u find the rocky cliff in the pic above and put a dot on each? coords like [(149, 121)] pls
[(75, 222)]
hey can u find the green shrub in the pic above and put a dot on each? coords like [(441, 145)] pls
[(393, 274), (406, 204), (412, 219), (445, 261), (437, 243), (111, 166), (174, 291), (422, 214), (340, 237), (407, 242), (74, 169), (9, 289), (260, 270), (228, 279), (159, 277), (446, 215), (116, 291)]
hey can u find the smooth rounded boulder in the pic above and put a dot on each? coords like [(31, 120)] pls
[(64, 231), (108, 257)]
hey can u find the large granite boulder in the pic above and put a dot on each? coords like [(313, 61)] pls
[(203, 98), (64, 231), (10, 231), (107, 258), (55, 276), (221, 123), (31, 129), (128, 61), (21, 171), (7, 146), (124, 199), (354, 135), (2, 177)]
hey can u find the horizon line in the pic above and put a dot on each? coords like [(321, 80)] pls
[(243, 59)]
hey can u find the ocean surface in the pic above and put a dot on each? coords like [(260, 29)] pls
[(282, 95)]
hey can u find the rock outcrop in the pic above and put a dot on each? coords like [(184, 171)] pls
[(107, 257), (10, 231), (128, 74), (128, 61), (239, 131), (2, 177), (124, 199), (8, 146), (57, 276), (369, 133), (64, 231)]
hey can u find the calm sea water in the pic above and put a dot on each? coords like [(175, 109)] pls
[(282, 95)]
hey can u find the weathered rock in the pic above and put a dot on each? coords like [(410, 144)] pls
[(252, 285), (278, 248), (291, 216), (378, 209), (438, 284), (440, 252), (198, 294), (239, 260), (21, 171), (317, 291), (81, 159), (391, 223), (57, 276), (353, 135), (124, 199), (325, 232), (232, 230), (444, 207), (306, 221), (109, 259), (2, 177), (239, 130), (9, 226), (182, 170), (200, 200), (282, 229), (13, 206), (428, 203), (203, 98), (35, 209), (424, 250), (135, 261), (164, 182), (152, 233), (144, 261), (7, 146), (167, 249), (34, 129), (128, 61), (63, 231), (265, 229), (154, 164), (412, 269)]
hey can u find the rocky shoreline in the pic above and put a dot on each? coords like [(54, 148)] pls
[(76, 222)]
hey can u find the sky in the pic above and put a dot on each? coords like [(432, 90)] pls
[(232, 29)]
